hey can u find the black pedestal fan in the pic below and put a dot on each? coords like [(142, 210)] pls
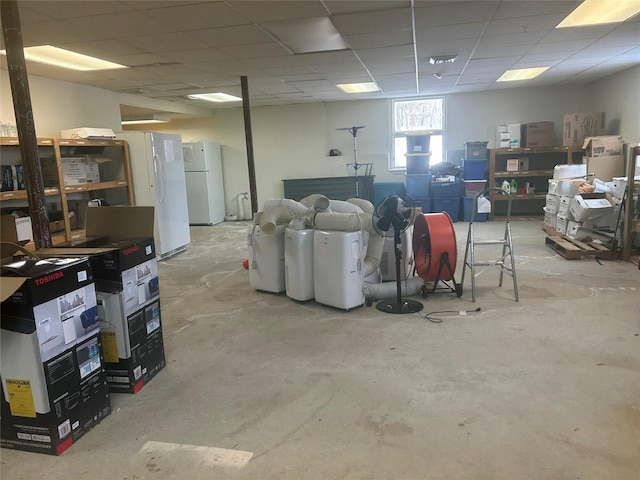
[(397, 213)]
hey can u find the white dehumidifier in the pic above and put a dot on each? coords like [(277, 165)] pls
[(337, 271), (266, 259), (298, 263)]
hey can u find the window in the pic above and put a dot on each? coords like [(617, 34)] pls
[(413, 116)]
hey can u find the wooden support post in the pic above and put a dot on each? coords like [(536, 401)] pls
[(249, 139), (19, 82)]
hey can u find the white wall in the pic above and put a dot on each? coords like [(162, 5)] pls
[(619, 96), (60, 105), (293, 141)]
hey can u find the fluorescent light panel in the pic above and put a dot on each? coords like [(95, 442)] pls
[(60, 57), (365, 87), (215, 97), (144, 119), (596, 12), (307, 35), (521, 74)]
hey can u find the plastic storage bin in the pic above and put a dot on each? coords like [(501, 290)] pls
[(418, 185), (473, 169), (471, 187), (445, 189), (449, 205), (418, 163), (384, 189), (418, 142), (467, 203), (475, 149)]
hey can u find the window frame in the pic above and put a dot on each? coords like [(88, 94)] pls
[(393, 165)]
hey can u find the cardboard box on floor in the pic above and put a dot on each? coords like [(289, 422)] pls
[(120, 246), (54, 387)]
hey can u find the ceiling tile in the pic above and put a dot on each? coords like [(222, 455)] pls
[(141, 59), (255, 51), (198, 16), (260, 12), (193, 57), (120, 25), (437, 14), (166, 42), (349, 67), (380, 39), (58, 33), (571, 34), (343, 56), (492, 52), (313, 85), (236, 35), (370, 22), (105, 49), (63, 10), (383, 53), (560, 46), (350, 6), (540, 23)]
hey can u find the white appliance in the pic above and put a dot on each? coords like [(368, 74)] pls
[(337, 268), (157, 169), (298, 263), (205, 191), (266, 259)]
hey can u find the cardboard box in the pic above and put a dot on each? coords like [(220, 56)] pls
[(75, 170), (563, 207), (605, 168), (54, 387), (125, 267), (550, 218), (578, 126), (538, 134), (552, 203), (22, 225), (589, 205), (561, 224), (604, 146)]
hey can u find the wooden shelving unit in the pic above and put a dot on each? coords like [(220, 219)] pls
[(540, 162), (115, 185)]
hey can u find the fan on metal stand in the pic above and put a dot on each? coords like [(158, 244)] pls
[(398, 213)]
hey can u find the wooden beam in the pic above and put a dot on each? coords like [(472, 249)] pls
[(249, 139), (12, 32)]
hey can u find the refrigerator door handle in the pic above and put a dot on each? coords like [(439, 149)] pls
[(159, 178)]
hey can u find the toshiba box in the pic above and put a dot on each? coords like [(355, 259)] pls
[(54, 387), (125, 268)]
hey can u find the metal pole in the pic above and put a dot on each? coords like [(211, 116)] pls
[(12, 32), (249, 140)]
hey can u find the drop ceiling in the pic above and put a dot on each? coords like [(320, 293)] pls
[(177, 48)]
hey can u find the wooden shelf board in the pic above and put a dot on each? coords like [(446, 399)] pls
[(529, 173), (522, 196), (22, 194), (88, 187)]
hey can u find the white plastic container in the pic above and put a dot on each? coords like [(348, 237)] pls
[(298, 263)]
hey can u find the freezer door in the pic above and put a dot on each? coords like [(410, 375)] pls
[(172, 218), (198, 197), (194, 157)]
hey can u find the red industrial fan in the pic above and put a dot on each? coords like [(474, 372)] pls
[(436, 253)]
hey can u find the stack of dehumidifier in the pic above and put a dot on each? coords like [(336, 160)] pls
[(319, 249)]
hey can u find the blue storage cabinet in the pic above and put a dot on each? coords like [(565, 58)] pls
[(466, 211), (384, 189), (449, 205)]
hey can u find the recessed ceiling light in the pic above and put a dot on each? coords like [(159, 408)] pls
[(596, 12), (358, 87), (442, 59), (60, 57), (307, 35), (215, 97), (143, 119), (521, 74)]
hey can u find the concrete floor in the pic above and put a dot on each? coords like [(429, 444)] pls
[(547, 388)]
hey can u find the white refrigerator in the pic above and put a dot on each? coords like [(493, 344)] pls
[(157, 170), (205, 190)]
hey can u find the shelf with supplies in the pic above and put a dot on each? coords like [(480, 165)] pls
[(75, 172), (531, 168)]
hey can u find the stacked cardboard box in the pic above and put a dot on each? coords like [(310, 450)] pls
[(562, 188), (578, 126), (508, 135), (604, 156), (124, 263)]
